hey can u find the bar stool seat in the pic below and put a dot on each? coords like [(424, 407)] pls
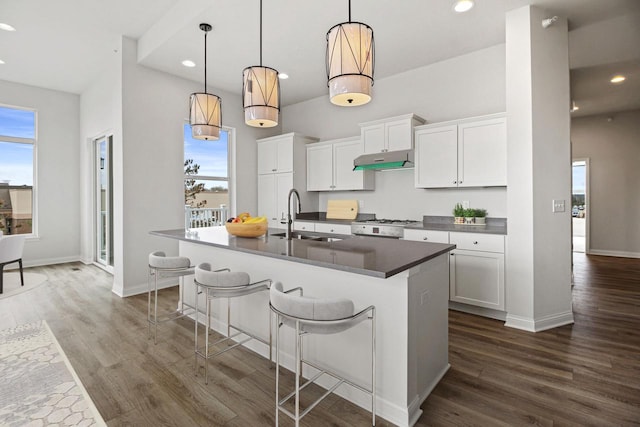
[(317, 316), (224, 283), (163, 266)]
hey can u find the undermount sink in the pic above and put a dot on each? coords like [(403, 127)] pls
[(301, 236)]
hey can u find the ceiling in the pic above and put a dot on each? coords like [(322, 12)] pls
[(66, 43)]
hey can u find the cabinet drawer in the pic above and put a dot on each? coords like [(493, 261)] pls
[(478, 242), (322, 227), (304, 226), (432, 236)]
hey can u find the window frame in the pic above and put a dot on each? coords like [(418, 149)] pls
[(34, 162)]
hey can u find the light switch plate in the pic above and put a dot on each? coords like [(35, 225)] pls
[(558, 206)]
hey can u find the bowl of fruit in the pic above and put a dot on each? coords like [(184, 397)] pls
[(244, 225)]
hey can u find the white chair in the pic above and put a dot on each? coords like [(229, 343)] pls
[(227, 284), (161, 266), (317, 316), (11, 251)]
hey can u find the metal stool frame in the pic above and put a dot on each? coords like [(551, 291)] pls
[(159, 272), (227, 292), (369, 312)]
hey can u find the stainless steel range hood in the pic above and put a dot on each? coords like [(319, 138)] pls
[(388, 160)]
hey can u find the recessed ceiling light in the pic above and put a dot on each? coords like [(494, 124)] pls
[(283, 76), (6, 27), (619, 78), (463, 5), (188, 63)]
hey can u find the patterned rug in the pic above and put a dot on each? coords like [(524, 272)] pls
[(38, 386)]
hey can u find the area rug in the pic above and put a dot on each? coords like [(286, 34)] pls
[(38, 386), (11, 283)]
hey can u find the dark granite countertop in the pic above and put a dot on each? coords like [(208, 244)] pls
[(445, 223), (371, 256)]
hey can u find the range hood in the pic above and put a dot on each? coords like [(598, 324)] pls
[(387, 160)]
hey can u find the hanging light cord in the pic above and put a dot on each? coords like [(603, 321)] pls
[(205, 61), (349, 10), (261, 33)]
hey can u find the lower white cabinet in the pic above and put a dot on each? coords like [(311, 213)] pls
[(476, 270), (476, 266), (304, 226), (327, 227)]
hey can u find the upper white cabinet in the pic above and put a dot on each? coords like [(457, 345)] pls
[(330, 166), (281, 167), (463, 153), (392, 134)]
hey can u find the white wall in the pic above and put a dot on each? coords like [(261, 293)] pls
[(613, 148), (465, 86), (538, 256), (57, 174), (154, 107)]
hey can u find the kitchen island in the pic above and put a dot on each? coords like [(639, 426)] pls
[(408, 282)]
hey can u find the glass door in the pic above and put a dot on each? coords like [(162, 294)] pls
[(104, 201)]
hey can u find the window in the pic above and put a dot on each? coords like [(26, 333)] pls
[(206, 177), (17, 157)]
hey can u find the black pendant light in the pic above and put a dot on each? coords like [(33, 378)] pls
[(261, 92), (350, 63), (205, 112)]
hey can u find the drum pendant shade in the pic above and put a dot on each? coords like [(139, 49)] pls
[(205, 109), (261, 92), (350, 63)]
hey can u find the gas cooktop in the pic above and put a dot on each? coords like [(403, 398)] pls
[(393, 228)]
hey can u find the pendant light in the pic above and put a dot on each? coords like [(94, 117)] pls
[(350, 63), (205, 112), (261, 92)]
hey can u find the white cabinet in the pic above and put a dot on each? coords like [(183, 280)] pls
[(281, 167), (304, 226), (330, 166), (432, 236), (476, 270), (463, 153), (392, 134)]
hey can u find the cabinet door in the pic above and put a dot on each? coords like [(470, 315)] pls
[(344, 177), (436, 157), (304, 226), (431, 236), (373, 138), (477, 278), (284, 154), (267, 198), (284, 183), (482, 153), (320, 167), (327, 227), (267, 157), (399, 135)]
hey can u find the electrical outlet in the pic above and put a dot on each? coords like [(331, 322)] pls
[(465, 204), (558, 206), (424, 297)]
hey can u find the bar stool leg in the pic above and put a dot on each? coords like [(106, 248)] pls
[(298, 373), (373, 367), (229, 319), (150, 272), (277, 367), (206, 337), (195, 334), (155, 309)]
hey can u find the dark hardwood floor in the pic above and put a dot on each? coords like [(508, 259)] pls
[(587, 373)]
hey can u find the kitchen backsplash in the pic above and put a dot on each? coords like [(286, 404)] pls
[(395, 196)]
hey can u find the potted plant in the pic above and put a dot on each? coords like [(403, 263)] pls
[(480, 216), (469, 216), (458, 214)]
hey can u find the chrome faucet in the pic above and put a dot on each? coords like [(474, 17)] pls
[(289, 219)]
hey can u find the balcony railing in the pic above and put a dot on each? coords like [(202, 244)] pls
[(204, 217)]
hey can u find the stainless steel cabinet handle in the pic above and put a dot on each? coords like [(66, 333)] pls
[(273, 170), (475, 243), (425, 238), (452, 254), (455, 182)]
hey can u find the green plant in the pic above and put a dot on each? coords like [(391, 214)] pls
[(480, 213), (469, 213), (458, 210)]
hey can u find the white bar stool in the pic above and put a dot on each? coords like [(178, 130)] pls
[(317, 316), (227, 284), (162, 266)]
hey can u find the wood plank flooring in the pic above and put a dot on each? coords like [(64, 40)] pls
[(583, 374)]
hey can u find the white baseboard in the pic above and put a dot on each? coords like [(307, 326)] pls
[(141, 288), (539, 324), (621, 254), (49, 261), (479, 311)]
